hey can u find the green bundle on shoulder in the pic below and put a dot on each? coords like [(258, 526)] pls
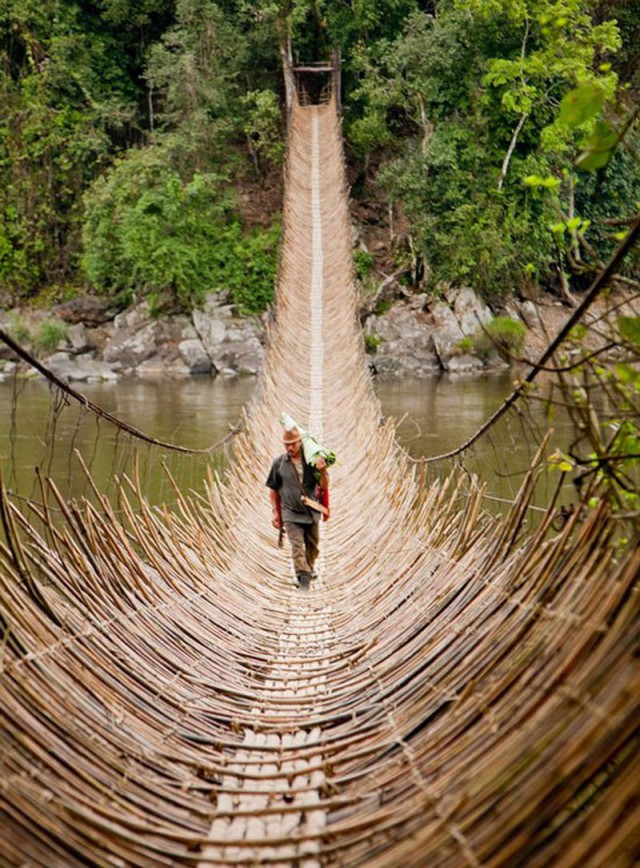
[(310, 446)]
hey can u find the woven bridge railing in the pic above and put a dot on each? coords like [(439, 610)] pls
[(452, 691)]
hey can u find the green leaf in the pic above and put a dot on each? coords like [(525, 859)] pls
[(573, 223), (558, 228), (581, 104), (560, 462), (626, 374), (598, 148), (536, 181), (629, 328)]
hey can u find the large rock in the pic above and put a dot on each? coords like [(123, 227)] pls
[(232, 344), (464, 363), (81, 368), (130, 349), (530, 314), (159, 367), (133, 339), (445, 330), (405, 345), (195, 357), (79, 339), (241, 357), (87, 309), (470, 311), (421, 335)]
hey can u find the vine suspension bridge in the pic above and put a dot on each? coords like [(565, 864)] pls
[(452, 691)]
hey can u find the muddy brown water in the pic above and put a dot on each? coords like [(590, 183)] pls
[(433, 415)]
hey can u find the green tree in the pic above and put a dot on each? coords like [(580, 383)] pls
[(471, 97), (150, 229), (193, 70), (559, 46), (162, 221), (66, 99)]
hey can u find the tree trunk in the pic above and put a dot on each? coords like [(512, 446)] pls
[(427, 126), (287, 61), (510, 150)]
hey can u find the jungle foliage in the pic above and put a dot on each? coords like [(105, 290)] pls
[(127, 125)]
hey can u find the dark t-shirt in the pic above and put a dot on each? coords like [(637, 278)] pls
[(283, 478)]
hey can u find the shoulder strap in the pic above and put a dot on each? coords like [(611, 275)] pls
[(298, 480)]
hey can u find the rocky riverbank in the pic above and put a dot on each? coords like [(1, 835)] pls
[(88, 339)]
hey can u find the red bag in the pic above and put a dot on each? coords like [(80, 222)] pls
[(322, 496)]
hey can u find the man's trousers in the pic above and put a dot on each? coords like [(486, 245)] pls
[(304, 540)]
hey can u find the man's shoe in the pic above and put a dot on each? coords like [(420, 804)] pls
[(304, 580)]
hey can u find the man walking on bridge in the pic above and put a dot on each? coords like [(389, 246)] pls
[(292, 483)]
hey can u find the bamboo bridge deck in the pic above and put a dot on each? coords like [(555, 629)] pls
[(451, 692)]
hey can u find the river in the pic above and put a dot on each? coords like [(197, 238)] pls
[(433, 415)]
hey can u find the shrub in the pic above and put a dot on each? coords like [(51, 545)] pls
[(503, 334), (384, 305), (149, 229), (249, 270), (466, 345), (50, 333), (363, 262), (371, 343), (19, 330)]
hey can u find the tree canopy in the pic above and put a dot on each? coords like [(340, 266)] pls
[(128, 128)]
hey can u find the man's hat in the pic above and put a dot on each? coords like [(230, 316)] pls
[(291, 436)]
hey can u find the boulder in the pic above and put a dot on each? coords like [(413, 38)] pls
[(419, 336), (194, 356), (133, 339), (86, 309), (82, 368), (464, 363), (530, 315), (470, 311), (511, 311), (232, 344), (78, 338), (406, 346), (385, 365), (158, 367), (240, 357), (445, 331)]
